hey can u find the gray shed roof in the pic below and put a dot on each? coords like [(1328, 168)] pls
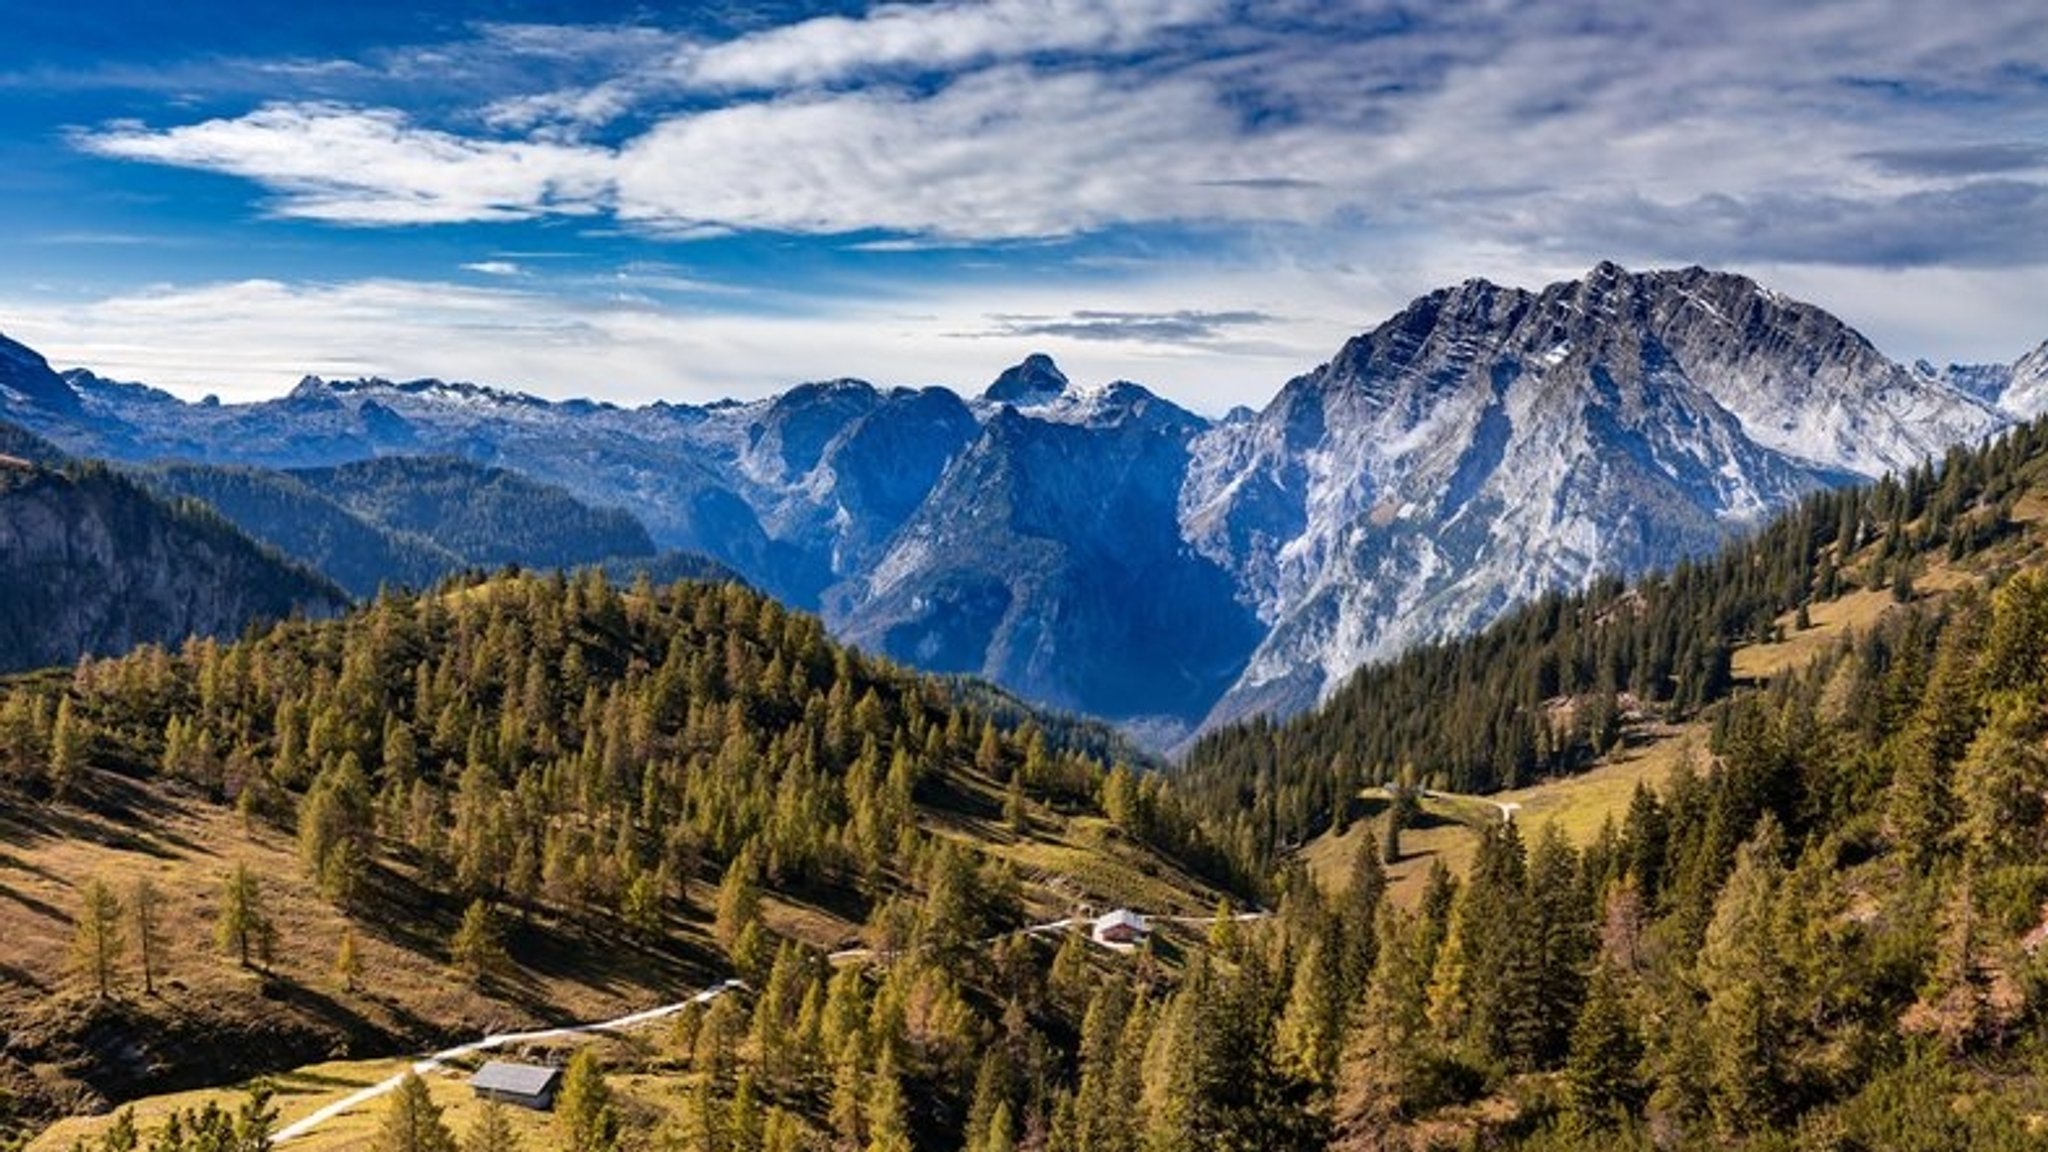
[(518, 1079)]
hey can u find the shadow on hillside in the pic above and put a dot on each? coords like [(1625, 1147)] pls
[(107, 809), (39, 907)]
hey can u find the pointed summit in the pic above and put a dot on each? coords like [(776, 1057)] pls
[(1035, 381)]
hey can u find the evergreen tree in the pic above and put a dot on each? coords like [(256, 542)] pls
[(348, 964), (412, 1121), (476, 947), (336, 828), (584, 1111), (739, 899), (1393, 1044), (1600, 1076), (1741, 971), (244, 927), (145, 906), (255, 1119), (888, 1121), (96, 938), (70, 739), (491, 1132)]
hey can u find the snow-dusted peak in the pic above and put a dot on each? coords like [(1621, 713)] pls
[(1037, 380), (2026, 390)]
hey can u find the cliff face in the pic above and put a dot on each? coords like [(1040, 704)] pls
[(90, 563)]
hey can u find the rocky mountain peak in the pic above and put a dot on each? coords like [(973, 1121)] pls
[(1034, 381), (24, 372)]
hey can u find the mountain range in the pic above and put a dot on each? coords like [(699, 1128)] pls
[(1104, 550)]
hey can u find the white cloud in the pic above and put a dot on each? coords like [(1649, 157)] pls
[(251, 339), (1828, 145), (356, 166), (1540, 126), (937, 37)]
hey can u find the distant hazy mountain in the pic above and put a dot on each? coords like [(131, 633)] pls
[(91, 563), (412, 520), (1102, 550), (287, 513)]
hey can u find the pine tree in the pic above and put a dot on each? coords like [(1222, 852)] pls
[(348, 965), (244, 927), (412, 1121), (255, 1119), (492, 1131), (745, 1122), (476, 947), (1312, 1024), (96, 940), (1002, 1131), (584, 1109), (69, 740), (145, 905), (1600, 1076), (739, 899), (1741, 971), (1393, 1040), (888, 1122)]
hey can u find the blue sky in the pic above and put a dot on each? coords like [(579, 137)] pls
[(640, 201)]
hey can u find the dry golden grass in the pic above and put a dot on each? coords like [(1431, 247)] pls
[(1831, 620), (306, 1090), (1449, 830), (299, 1093), (1580, 804)]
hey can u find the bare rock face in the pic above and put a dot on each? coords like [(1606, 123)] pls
[(1489, 444), (92, 564)]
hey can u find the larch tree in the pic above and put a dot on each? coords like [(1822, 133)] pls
[(492, 1131), (96, 939), (1601, 1084), (584, 1109), (69, 740), (244, 927), (888, 1121), (476, 946), (348, 962), (145, 906), (412, 1121)]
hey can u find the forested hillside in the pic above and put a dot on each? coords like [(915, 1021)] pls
[(572, 799), (1819, 933), (301, 520), (411, 521), (488, 516)]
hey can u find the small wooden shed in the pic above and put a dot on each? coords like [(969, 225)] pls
[(1121, 926), (526, 1085)]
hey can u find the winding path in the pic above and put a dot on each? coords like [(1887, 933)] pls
[(438, 1060)]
